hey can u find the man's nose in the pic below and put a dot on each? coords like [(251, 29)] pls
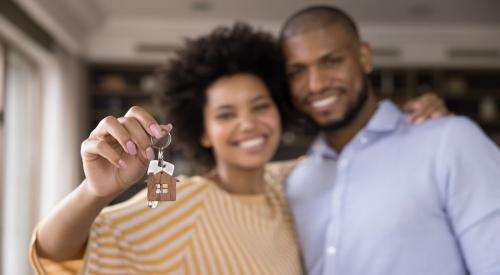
[(317, 80)]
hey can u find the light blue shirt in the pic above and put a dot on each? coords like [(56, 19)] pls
[(400, 199)]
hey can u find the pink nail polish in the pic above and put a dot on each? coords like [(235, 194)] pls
[(156, 130), (131, 148), (122, 164), (150, 153)]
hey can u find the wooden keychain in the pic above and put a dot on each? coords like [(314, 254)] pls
[(161, 184)]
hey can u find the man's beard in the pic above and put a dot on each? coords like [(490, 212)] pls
[(349, 116)]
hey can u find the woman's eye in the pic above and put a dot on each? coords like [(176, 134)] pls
[(294, 73), (224, 116), (262, 107)]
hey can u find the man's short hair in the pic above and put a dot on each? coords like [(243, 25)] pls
[(317, 17)]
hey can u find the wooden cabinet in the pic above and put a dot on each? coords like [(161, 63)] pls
[(114, 88)]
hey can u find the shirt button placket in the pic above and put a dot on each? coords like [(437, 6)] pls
[(363, 140), (343, 164), (331, 250), (335, 218)]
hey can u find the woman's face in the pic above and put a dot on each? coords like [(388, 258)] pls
[(242, 122)]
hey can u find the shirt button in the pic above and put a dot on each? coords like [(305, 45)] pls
[(331, 250), (343, 163), (363, 140)]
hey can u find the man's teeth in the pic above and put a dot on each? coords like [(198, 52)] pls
[(324, 102), (251, 142)]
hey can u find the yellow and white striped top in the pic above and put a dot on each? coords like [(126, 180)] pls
[(206, 231)]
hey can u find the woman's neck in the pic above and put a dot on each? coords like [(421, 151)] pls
[(239, 180)]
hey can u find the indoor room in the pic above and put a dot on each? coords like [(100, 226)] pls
[(72, 71)]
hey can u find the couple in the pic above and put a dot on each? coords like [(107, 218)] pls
[(375, 195)]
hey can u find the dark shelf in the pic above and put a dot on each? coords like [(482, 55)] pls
[(471, 92)]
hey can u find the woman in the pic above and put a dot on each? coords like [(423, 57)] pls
[(224, 93)]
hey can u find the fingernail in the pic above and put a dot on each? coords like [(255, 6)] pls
[(150, 153), (156, 130), (420, 120), (131, 148), (122, 164)]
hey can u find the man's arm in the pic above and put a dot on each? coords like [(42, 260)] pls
[(472, 190)]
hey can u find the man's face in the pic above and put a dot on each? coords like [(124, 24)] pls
[(326, 69)]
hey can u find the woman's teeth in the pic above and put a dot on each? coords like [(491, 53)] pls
[(250, 143)]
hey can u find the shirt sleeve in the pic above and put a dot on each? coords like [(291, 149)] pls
[(103, 246), (472, 177)]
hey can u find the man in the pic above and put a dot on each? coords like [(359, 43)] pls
[(377, 195)]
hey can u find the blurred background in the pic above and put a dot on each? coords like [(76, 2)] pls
[(66, 64)]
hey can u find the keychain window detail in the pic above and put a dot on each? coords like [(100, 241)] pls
[(160, 183)]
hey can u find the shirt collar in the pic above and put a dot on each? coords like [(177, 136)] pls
[(385, 119)]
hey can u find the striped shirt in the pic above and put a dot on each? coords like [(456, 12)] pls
[(206, 231)]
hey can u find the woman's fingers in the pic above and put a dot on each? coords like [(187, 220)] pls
[(132, 132), (111, 126), (426, 112), (94, 148), (146, 120), (425, 107), (139, 136)]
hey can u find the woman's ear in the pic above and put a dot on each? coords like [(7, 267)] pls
[(205, 141)]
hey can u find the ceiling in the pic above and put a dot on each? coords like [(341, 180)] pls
[(91, 25), (442, 11)]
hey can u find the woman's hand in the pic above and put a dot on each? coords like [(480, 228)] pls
[(424, 107), (118, 150)]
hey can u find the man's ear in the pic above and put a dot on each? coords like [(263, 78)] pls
[(366, 57), (205, 141)]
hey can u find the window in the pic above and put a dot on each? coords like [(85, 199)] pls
[(2, 88)]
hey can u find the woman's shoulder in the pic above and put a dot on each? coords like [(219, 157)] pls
[(277, 171)]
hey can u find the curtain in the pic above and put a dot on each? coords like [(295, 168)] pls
[(45, 121), (22, 151)]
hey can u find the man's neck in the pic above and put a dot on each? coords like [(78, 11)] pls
[(338, 139)]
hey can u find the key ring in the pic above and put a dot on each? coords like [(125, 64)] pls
[(161, 144)]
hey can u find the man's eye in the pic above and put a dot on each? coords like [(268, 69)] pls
[(334, 60)]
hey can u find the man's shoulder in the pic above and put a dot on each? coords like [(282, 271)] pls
[(448, 122), (457, 127)]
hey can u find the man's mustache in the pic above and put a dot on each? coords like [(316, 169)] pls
[(334, 90)]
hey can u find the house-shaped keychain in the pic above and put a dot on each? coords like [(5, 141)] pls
[(161, 185)]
